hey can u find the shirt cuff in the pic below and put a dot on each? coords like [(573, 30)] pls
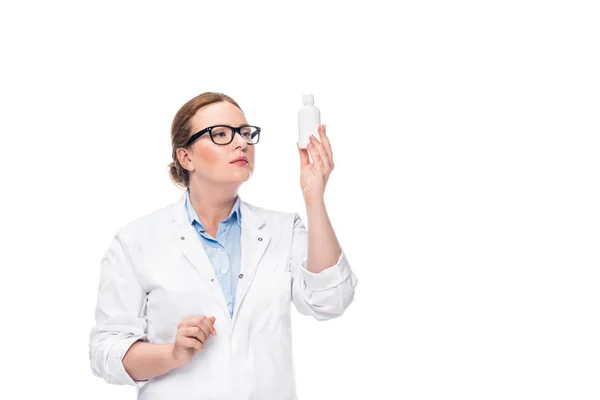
[(118, 372), (328, 278)]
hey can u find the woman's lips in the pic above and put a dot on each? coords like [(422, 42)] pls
[(240, 162)]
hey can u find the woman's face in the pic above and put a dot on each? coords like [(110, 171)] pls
[(212, 162)]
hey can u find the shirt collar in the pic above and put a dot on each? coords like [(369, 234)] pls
[(235, 214)]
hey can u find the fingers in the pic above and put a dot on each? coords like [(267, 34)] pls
[(319, 150), (322, 155), (304, 159), (201, 321), (325, 140), (317, 163), (192, 343), (208, 324), (194, 332)]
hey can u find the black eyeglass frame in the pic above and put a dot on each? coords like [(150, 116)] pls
[(209, 129)]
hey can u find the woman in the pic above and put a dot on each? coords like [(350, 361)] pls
[(194, 298)]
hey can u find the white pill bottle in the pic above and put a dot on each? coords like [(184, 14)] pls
[(309, 119)]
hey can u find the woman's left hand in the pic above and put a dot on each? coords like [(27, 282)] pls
[(314, 176)]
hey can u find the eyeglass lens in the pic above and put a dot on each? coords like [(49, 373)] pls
[(223, 134)]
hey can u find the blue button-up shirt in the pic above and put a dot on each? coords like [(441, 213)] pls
[(224, 251)]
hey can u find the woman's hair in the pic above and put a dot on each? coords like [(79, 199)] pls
[(181, 131)]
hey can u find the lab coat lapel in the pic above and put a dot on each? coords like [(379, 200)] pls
[(254, 243), (190, 245)]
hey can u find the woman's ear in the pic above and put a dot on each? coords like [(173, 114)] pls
[(184, 159)]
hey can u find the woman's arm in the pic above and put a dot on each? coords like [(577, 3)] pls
[(323, 247), (146, 360), (328, 293), (323, 282), (120, 315), (119, 350)]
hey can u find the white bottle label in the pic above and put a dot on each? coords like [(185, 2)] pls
[(309, 119)]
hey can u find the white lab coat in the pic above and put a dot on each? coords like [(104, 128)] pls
[(156, 273)]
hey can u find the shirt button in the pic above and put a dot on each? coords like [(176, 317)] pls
[(240, 276), (220, 249), (223, 270)]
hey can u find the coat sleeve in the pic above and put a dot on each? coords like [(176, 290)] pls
[(325, 295), (120, 316)]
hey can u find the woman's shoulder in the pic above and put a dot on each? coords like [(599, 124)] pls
[(153, 219), (265, 212), (276, 222)]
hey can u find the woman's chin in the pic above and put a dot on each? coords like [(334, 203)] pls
[(240, 177)]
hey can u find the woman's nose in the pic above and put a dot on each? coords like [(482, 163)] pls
[(239, 140)]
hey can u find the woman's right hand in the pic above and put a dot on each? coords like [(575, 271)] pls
[(192, 334)]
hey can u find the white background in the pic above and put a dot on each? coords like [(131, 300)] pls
[(466, 188)]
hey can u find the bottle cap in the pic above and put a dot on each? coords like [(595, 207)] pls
[(308, 99)]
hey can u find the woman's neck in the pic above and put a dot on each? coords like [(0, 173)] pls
[(213, 204)]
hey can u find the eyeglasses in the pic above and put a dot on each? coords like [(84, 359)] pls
[(224, 134)]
